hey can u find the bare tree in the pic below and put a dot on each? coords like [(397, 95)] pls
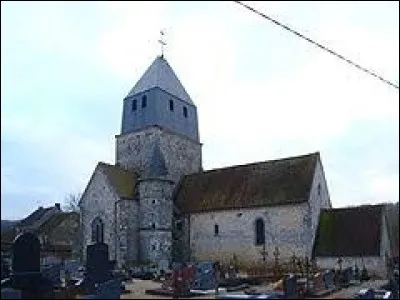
[(71, 202)]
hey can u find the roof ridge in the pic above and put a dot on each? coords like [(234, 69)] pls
[(117, 167), (379, 205), (255, 163)]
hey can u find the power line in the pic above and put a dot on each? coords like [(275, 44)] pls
[(319, 45)]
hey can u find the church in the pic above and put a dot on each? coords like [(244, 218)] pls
[(157, 205)]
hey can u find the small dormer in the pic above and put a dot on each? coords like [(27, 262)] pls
[(159, 98)]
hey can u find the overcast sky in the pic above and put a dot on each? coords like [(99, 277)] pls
[(261, 92)]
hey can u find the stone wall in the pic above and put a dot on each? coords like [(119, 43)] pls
[(128, 231), (285, 227), (375, 265), (182, 155), (99, 201), (156, 213)]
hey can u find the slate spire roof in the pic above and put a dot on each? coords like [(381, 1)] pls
[(161, 75)]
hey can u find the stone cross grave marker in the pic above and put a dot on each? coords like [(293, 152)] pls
[(300, 267), (307, 265), (276, 261), (340, 261), (293, 263)]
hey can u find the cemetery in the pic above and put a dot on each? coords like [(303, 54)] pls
[(296, 279)]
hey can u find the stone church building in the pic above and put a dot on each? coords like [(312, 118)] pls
[(157, 204)]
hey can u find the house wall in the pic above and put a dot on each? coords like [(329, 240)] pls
[(375, 265)]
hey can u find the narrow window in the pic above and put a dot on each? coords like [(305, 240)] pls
[(216, 229), (171, 105), (319, 189), (144, 101), (134, 105), (260, 232), (153, 247), (153, 226), (185, 112), (179, 225), (97, 231)]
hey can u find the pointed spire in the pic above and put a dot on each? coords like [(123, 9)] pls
[(161, 75), (157, 162)]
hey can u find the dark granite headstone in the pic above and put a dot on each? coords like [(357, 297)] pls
[(97, 264), (347, 276), (26, 277), (26, 254)]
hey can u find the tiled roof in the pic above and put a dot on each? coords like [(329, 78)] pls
[(56, 220), (275, 182), (350, 231), (122, 180), (161, 75)]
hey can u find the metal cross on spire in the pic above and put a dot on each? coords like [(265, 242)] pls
[(162, 42)]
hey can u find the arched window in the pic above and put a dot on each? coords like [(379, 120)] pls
[(97, 230), (260, 232)]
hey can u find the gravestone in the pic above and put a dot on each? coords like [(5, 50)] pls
[(52, 273), (319, 285), (26, 254), (290, 286), (349, 275), (329, 279), (204, 278), (98, 266), (26, 277)]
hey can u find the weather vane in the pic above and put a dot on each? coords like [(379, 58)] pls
[(162, 42)]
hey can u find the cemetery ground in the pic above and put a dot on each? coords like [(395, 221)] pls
[(137, 288)]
